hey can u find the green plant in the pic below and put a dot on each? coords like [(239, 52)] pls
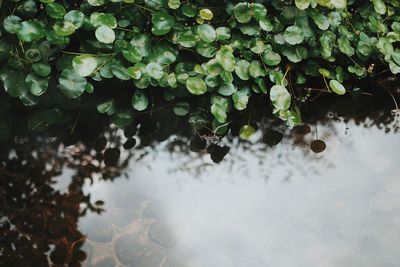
[(225, 51)]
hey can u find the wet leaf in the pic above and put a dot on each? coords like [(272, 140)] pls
[(196, 86), (280, 97), (72, 84), (337, 87), (139, 100), (181, 108), (246, 132), (84, 65), (105, 35)]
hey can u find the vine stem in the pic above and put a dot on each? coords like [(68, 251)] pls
[(80, 54), (145, 8)]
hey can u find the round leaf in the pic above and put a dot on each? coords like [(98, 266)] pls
[(293, 35), (337, 87), (84, 65), (105, 35), (196, 86), (206, 33), (72, 84), (139, 100), (280, 97)]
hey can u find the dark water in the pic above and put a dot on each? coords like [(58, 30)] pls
[(165, 205)]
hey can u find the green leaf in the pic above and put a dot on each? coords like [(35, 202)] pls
[(55, 10), (105, 35), (337, 87), (132, 54), (84, 65), (12, 24), (293, 35), (103, 19), (14, 83), (41, 69), (181, 108), (259, 11), (339, 4), (155, 70), (96, 2), (246, 132), (174, 4), (319, 19), (196, 86), (135, 72), (280, 97), (226, 58), (162, 23), (223, 33), (242, 12), (76, 17), (227, 89), (206, 33), (30, 31), (345, 46), (302, 4), (206, 14), (72, 85), (37, 85), (240, 99), (108, 107), (242, 69), (271, 58), (257, 46), (139, 100), (396, 56), (64, 28), (379, 7), (123, 118)]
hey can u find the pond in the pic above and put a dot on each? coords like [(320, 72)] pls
[(270, 201)]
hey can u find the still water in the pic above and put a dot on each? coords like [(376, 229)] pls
[(261, 206), (66, 199)]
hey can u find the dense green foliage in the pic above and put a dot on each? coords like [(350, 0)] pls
[(221, 51)]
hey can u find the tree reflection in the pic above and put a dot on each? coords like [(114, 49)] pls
[(38, 224)]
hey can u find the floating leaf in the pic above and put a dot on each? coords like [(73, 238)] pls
[(206, 14), (206, 33), (64, 28), (72, 84), (30, 31), (37, 85), (154, 70), (55, 10), (280, 97), (123, 118), (246, 132), (76, 17), (108, 107), (162, 23), (181, 108), (293, 35), (337, 87), (302, 4), (196, 86), (12, 24), (139, 100), (84, 65), (105, 34)]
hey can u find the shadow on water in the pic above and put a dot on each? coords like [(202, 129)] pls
[(39, 218)]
